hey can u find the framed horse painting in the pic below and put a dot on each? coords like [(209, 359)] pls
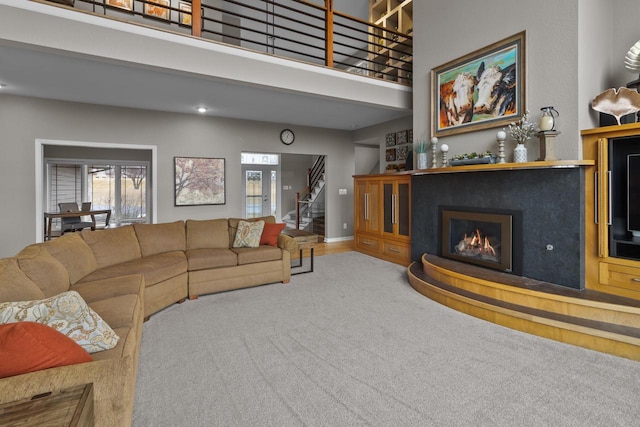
[(481, 90)]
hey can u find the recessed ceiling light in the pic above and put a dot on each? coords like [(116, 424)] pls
[(202, 110)]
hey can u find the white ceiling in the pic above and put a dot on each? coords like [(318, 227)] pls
[(28, 68)]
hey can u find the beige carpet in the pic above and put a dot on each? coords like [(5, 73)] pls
[(353, 344)]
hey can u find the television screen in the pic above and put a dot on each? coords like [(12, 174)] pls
[(633, 194)]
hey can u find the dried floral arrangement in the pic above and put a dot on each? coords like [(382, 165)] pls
[(523, 130)]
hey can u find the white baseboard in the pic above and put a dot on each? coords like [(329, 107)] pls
[(337, 239)]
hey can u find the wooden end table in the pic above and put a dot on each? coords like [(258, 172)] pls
[(70, 407), (305, 240)]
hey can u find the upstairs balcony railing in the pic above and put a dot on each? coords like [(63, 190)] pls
[(295, 29)]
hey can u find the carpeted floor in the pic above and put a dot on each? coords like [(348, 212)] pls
[(354, 344)]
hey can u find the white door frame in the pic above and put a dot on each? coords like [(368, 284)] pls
[(40, 178)]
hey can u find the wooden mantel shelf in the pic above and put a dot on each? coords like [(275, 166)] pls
[(558, 164)]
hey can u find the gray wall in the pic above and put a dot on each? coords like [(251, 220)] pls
[(575, 50), (294, 169), (23, 120), (375, 135)]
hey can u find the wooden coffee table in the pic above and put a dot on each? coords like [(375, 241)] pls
[(305, 240)]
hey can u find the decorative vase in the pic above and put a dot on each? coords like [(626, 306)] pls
[(520, 153), (422, 160)]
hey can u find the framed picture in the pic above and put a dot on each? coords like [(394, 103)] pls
[(480, 90), (120, 4), (390, 139), (401, 137), (199, 181), (401, 153), (185, 13), (390, 155), (157, 9)]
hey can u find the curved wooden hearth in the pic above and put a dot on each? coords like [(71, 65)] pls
[(589, 319)]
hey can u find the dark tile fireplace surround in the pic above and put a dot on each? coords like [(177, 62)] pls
[(551, 202)]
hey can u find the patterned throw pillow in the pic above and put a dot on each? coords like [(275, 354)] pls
[(67, 313), (248, 235)]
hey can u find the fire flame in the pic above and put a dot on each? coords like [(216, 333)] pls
[(476, 242)]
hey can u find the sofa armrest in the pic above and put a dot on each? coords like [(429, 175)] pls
[(287, 243)]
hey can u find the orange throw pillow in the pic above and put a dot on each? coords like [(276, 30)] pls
[(29, 346), (270, 233)]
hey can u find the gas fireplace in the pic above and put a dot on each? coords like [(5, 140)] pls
[(489, 238)]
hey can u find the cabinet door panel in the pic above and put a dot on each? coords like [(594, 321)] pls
[(389, 207), (404, 210), (374, 207)]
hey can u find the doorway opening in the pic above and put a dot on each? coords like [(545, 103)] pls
[(260, 184)]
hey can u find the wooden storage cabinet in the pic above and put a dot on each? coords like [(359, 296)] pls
[(607, 269), (367, 209), (382, 216)]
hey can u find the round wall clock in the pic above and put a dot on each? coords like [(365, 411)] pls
[(287, 137)]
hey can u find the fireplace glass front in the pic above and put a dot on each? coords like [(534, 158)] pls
[(481, 238)]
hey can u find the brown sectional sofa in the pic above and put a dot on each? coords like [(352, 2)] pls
[(125, 275)]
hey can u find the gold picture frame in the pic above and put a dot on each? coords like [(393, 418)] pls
[(481, 90), (185, 14), (120, 4), (158, 9)]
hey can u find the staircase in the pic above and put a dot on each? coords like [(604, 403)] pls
[(310, 213), (586, 318)]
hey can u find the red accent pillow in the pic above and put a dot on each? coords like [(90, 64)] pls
[(270, 233), (29, 346)]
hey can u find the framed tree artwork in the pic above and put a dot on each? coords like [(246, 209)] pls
[(199, 181)]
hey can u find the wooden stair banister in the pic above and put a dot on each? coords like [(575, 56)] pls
[(314, 175)]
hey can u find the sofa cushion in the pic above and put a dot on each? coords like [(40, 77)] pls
[(155, 268), (260, 254), (160, 238), (270, 233), (74, 254), (201, 259), (14, 284), (233, 224), (248, 235), (28, 347), (205, 234), (43, 269), (112, 246), (67, 313), (132, 284)]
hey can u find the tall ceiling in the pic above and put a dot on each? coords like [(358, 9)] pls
[(39, 66)]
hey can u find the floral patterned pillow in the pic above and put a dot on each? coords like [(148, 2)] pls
[(67, 313), (248, 234)]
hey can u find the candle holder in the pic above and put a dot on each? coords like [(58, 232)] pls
[(434, 151), (444, 148), (501, 137)]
